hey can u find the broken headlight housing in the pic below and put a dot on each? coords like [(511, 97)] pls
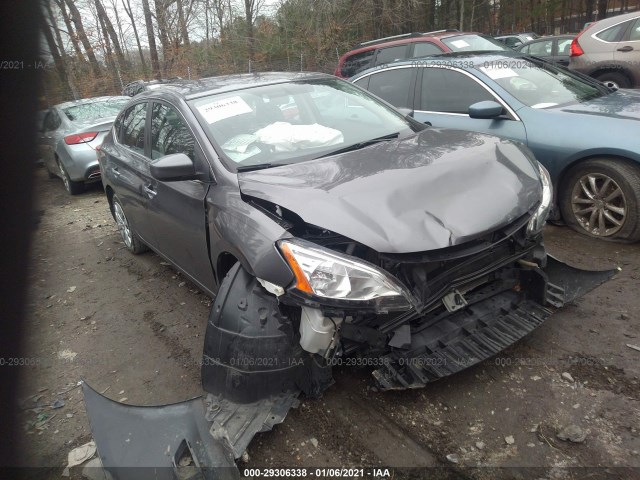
[(339, 280), (537, 221)]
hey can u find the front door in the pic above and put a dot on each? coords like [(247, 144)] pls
[(444, 95), (177, 208)]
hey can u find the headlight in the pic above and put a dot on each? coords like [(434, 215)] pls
[(341, 280), (540, 217)]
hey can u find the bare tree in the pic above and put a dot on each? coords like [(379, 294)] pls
[(153, 51), (77, 22), (70, 32), (182, 22), (251, 11), (57, 49), (110, 32), (127, 8)]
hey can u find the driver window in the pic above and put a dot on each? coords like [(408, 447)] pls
[(449, 91), (169, 133)]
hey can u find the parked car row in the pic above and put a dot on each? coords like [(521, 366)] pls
[(331, 219)]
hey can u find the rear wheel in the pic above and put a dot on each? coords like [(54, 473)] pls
[(614, 80), (72, 187), (131, 240), (600, 198)]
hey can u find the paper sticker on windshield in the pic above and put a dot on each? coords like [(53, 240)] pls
[(498, 72), (460, 44), (221, 109)]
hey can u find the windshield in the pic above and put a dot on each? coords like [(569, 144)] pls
[(292, 122), (541, 85), (93, 110), (473, 43)]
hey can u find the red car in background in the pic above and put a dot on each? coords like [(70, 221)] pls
[(412, 45)]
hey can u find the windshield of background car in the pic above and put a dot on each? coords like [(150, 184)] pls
[(292, 122), (94, 110), (540, 85), (473, 43)]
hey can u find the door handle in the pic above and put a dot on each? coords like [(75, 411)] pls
[(626, 48), (115, 171), (148, 189)]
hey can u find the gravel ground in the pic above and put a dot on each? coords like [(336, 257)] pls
[(134, 329)]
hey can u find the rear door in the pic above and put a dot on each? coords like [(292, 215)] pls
[(395, 85), (177, 208), (443, 98), (127, 169)]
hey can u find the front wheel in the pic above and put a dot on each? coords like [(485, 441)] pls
[(131, 240), (600, 197)]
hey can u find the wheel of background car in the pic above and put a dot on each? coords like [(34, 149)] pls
[(601, 198), (72, 187), (614, 79), (131, 240)]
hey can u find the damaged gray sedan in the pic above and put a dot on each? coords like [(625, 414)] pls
[(328, 226)]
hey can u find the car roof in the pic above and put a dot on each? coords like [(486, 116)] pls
[(190, 89), (544, 39), (614, 20), (410, 38)]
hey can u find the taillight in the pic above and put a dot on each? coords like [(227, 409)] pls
[(576, 49), (77, 138)]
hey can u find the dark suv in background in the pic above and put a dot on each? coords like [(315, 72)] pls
[(412, 45), (609, 50)]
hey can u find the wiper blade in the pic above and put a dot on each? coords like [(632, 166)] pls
[(359, 145), (258, 166)]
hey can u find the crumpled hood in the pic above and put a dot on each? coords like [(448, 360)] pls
[(431, 190), (622, 104)]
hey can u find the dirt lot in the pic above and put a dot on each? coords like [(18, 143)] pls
[(134, 329)]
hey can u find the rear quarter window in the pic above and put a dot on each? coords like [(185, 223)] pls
[(357, 63)]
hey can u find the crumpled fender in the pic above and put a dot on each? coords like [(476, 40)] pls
[(141, 442)]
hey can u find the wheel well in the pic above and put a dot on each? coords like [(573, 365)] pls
[(225, 262), (567, 169), (619, 70), (109, 192)]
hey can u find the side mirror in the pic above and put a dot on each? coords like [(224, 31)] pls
[(176, 166), (486, 109)]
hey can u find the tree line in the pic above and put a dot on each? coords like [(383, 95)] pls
[(98, 46)]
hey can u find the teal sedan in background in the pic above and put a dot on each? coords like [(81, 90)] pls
[(586, 134)]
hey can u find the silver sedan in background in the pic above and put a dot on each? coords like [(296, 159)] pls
[(69, 135)]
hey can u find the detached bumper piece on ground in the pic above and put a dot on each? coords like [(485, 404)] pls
[(254, 371)]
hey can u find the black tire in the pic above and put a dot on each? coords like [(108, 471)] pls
[(614, 79), (610, 190), (130, 238), (73, 188)]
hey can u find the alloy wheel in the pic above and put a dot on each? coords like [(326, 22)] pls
[(123, 225), (599, 204)]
